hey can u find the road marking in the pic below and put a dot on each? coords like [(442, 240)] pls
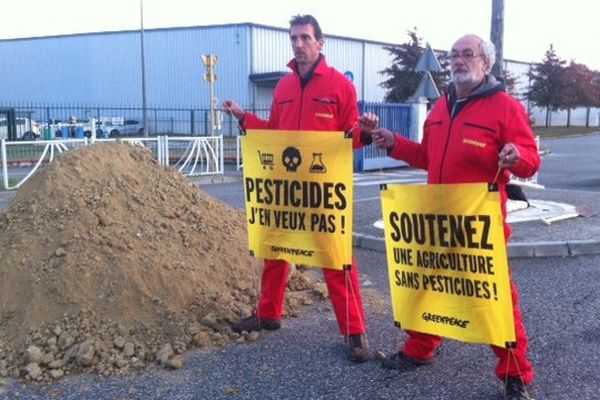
[(367, 199), (377, 178), (379, 182)]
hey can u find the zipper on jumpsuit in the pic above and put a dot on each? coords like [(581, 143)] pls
[(447, 140), (446, 148), (301, 104)]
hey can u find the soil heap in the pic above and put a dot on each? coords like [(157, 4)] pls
[(109, 261)]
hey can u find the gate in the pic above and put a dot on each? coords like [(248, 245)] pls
[(392, 116)]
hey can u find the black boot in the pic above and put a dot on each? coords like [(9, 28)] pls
[(253, 323), (359, 350)]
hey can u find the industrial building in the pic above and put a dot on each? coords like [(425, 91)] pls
[(103, 70)]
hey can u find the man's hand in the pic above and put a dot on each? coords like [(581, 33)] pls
[(367, 122), (383, 138), (508, 156), (231, 108)]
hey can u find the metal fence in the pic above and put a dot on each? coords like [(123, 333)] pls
[(62, 122), (124, 121)]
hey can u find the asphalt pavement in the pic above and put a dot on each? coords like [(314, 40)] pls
[(556, 268), (306, 359)]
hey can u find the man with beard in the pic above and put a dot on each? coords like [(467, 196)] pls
[(475, 133), (313, 97)]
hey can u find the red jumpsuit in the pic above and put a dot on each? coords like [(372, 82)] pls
[(326, 101), (461, 142)]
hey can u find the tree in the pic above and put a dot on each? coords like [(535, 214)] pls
[(402, 79), (579, 89), (510, 81), (547, 83)]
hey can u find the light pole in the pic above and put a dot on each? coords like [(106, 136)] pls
[(209, 62), (145, 109), (497, 36)]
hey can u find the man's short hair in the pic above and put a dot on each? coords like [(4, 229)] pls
[(487, 49), (489, 52), (307, 20)]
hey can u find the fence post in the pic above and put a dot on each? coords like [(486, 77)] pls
[(93, 130), (48, 120), (4, 164), (222, 154), (206, 123), (155, 130), (238, 153), (418, 114), (166, 150), (192, 122)]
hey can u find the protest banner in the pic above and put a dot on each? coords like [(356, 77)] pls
[(447, 261), (298, 187)]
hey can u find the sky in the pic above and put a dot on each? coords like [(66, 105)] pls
[(530, 26)]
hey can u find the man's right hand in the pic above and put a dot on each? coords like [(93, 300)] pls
[(368, 122), (231, 108), (383, 138)]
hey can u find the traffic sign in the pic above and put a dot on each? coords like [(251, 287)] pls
[(428, 61), (427, 87)]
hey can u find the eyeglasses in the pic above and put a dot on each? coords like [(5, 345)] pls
[(466, 56)]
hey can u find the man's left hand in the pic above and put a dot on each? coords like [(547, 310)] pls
[(508, 156)]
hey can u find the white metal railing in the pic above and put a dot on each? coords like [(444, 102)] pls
[(50, 147), (238, 153), (191, 156), (202, 155)]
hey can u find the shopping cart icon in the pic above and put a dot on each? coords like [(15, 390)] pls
[(266, 159)]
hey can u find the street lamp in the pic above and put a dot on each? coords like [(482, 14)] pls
[(145, 110)]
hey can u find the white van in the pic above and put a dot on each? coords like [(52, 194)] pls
[(27, 129)]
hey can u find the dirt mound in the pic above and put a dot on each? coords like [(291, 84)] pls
[(109, 262)]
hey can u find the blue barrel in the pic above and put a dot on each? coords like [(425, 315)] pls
[(79, 132)]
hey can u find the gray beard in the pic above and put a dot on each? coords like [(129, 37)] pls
[(462, 78)]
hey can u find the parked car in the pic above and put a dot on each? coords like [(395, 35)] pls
[(130, 127), (26, 128), (118, 126)]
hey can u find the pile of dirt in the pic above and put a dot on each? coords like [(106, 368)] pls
[(110, 262)]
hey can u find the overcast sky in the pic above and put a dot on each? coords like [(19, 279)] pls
[(530, 26)]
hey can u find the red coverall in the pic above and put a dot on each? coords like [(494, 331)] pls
[(327, 102), (463, 148)]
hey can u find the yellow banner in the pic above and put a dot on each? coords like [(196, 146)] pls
[(299, 187), (447, 261)]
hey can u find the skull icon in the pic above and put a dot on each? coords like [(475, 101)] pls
[(291, 158)]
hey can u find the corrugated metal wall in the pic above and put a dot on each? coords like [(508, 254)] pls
[(271, 51), (105, 69), (69, 69), (176, 72), (376, 60)]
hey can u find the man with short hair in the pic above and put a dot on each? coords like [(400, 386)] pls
[(315, 97), (475, 133)]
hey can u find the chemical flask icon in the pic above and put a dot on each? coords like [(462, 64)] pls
[(317, 166)]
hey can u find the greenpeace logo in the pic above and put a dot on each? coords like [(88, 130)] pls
[(442, 319), (295, 252)]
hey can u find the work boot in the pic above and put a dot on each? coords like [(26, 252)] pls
[(253, 323), (359, 350), (515, 389), (401, 362)]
